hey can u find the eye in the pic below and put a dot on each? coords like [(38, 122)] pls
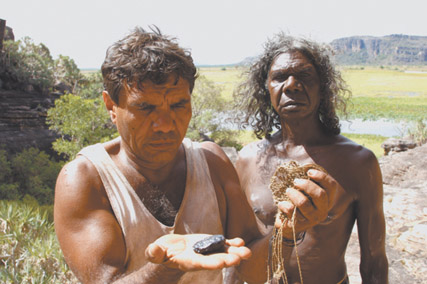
[(279, 77), (180, 104), (304, 75), (147, 107)]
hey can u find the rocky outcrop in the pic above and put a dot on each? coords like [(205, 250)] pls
[(387, 50), (397, 145), (23, 120)]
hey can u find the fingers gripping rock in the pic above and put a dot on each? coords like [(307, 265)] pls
[(285, 175)]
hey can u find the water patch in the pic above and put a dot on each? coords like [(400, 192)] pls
[(381, 127)]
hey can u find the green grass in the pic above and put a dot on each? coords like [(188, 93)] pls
[(227, 78), (374, 82), (387, 93), (398, 108)]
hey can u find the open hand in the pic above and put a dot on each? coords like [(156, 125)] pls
[(176, 251)]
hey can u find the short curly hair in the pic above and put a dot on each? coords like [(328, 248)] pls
[(145, 55), (254, 99)]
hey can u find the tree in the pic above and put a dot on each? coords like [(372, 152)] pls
[(66, 72), (8, 188), (26, 63), (80, 122), (29, 173), (36, 174), (208, 107), (90, 86)]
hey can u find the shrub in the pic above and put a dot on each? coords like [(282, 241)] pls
[(8, 188), (34, 173), (25, 63), (90, 86), (66, 72), (29, 250), (80, 122)]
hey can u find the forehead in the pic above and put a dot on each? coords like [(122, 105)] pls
[(292, 60), (171, 88)]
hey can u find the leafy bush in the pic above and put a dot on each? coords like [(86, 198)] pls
[(29, 250), (90, 86), (31, 172), (8, 188), (80, 122), (66, 72), (25, 63)]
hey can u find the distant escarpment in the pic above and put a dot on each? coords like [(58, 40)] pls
[(23, 120), (387, 50)]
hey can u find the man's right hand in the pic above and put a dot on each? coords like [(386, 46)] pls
[(176, 251), (312, 200)]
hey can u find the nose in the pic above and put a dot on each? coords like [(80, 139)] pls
[(163, 121), (292, 85)]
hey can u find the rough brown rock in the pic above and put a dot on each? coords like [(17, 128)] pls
[(397, 145), (23, 120)]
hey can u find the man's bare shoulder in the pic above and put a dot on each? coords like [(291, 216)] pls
[(79, 170), (352, 152), (355, 167), (220, 166), (79, 186), (214, 152)]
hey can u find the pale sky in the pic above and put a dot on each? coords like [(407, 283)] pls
[(216, 32)]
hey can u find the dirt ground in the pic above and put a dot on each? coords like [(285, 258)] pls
[(405, 209)]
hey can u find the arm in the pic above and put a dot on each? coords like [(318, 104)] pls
[(88, 233), (371, 223), (239, 217)]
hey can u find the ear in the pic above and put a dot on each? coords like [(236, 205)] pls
[(110, 105)]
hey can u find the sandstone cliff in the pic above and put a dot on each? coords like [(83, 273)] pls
[(23, 120), (387, 50)]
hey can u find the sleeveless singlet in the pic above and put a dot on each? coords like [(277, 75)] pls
[(198, 213)]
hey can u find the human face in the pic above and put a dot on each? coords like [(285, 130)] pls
[(152, 121), (293, 84)]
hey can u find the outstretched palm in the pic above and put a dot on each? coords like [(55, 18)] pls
[(176, 251)]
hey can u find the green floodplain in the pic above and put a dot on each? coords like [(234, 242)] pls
[(391, 93)]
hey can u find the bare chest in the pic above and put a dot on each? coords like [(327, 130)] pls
[(162, 200)]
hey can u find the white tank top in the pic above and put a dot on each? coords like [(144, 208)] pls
[(198, 213)]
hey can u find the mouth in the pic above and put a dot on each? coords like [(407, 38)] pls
[(161, 144), (290, 105)]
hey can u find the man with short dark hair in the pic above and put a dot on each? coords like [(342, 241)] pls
[(118, 197)]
